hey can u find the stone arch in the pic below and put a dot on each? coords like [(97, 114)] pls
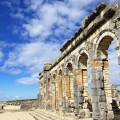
[(69, 87), (60, 72), (82, 52), (102, 81), (83, 81), (54, 75), (68, 62), (111, 36), (69, 68)]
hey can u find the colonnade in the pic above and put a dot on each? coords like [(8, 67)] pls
[(66, 91)]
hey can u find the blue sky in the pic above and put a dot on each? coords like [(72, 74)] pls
[(31, 33)]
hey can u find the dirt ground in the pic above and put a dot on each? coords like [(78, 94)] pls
[(16, 116)]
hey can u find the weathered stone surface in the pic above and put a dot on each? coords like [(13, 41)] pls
[(72, 94)]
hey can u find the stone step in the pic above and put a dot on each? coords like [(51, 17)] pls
[(50, 115), (68, 116), (55, 116), (38, 116), (46, 115)]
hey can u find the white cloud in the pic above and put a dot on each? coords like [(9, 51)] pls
[(59, 13), (28, 80), (50, 21), (51, 24), (30, 58)]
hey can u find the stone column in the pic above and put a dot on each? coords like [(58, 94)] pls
[(67, 92), (63, 93), (72, 89), (60, 95), (57, 96), (85, 93), (82, 89), (46, 94), (101, 91), (95, 99), (76, 92), (98, 91), (53, 96), (108, 90), (79, 92), (71, 98)]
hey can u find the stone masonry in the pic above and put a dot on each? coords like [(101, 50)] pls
[(64, 83)]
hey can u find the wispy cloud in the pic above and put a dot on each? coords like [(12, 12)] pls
[(32, 54), (54, 17), (49, 25), (28, 80), (46, 25)]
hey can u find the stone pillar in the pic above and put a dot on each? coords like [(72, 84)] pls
[(46, 95), (85, 93), (60, 94), (53, 96), (98, 91), (76, 93), (81, 79), (72, 89), (101, 91), (57, 96), (95, 96), (50, 94), (108, 90), (67, 92), (63, 93)]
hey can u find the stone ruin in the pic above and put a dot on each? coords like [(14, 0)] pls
[(64, 83)]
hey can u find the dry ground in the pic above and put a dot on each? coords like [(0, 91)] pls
[(14, 113), (16, 116)]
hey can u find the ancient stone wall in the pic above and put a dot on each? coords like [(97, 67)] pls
[(64, 84)]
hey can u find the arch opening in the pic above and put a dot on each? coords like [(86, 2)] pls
[(107, 54), (83, 61), (70, 67), (85, 83)]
